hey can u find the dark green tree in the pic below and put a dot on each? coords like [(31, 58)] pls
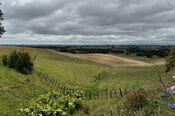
[(2, 30), (170, 60)]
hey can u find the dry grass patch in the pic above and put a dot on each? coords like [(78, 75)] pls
[(108, 59)]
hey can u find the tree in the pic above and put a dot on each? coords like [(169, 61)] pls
[(2, 30), (170, 60)]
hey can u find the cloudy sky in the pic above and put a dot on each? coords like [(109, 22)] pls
[(88, 22)]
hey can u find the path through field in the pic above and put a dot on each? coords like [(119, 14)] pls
[(108, 59)]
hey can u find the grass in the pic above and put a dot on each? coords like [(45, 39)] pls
[(17, 89), (139, 58)]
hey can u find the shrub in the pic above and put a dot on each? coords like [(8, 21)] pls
[(170, 60), (136, 100), (5, 60), (21, 61), (54, 104)]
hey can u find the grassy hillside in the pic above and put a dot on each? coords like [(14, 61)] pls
[(18, 90), (80, 73)]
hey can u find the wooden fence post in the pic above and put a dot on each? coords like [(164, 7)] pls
[(90, 95), (44, 77), (118, 110), (106, 91), (94, 94), (55, 83), (125, 92), (111, 113), (115, 92), (98, 94), (110, 93), (121, 94)]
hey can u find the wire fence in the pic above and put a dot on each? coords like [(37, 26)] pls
[(119, 110), (106, 93)]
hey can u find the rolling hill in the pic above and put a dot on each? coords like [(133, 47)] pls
[(75, 71)]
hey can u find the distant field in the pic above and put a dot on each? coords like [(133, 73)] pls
[(75, 72), (158, 60), (111, 60)]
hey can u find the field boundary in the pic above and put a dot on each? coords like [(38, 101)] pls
[(106, 93)]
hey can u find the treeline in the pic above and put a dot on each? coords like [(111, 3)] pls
[(139, 50)]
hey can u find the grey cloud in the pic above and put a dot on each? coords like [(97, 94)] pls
[(31, 10), (90, 21)]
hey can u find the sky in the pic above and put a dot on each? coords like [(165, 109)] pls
[(89, 22)]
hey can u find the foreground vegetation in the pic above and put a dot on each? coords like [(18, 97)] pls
[(55, 104), (18, 89)]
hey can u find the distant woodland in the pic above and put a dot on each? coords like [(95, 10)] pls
[(138, 50)]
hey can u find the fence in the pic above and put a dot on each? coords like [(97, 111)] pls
[(118, 110), (106, 93)]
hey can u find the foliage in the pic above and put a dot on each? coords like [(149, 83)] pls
[(54, 104), (1, 27), (146, 51), (101, 75), (136, 100), (21, 61), (5, 60), (170, 60)]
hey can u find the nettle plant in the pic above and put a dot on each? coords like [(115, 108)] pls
[(55, 104), (136, 100)]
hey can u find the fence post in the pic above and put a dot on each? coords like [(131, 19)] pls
[(58, 89), (125, 92), (41, 77), (110, 93), (121, 94), (106, 91), (90, 95), (50, 81), (47, 78), (101, 93), (64, 90), (55, 83), (44, 77), (111, 113), (115, 92), (94, 94), (118, 110), (98, 93)]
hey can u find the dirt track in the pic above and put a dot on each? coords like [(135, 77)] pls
[(108, 59)]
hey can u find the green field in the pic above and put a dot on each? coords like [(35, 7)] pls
[(18, 89)]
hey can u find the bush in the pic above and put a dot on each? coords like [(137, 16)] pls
[(170, 60), (136, 100), (54, 104), (21, 61), (5, 60)]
